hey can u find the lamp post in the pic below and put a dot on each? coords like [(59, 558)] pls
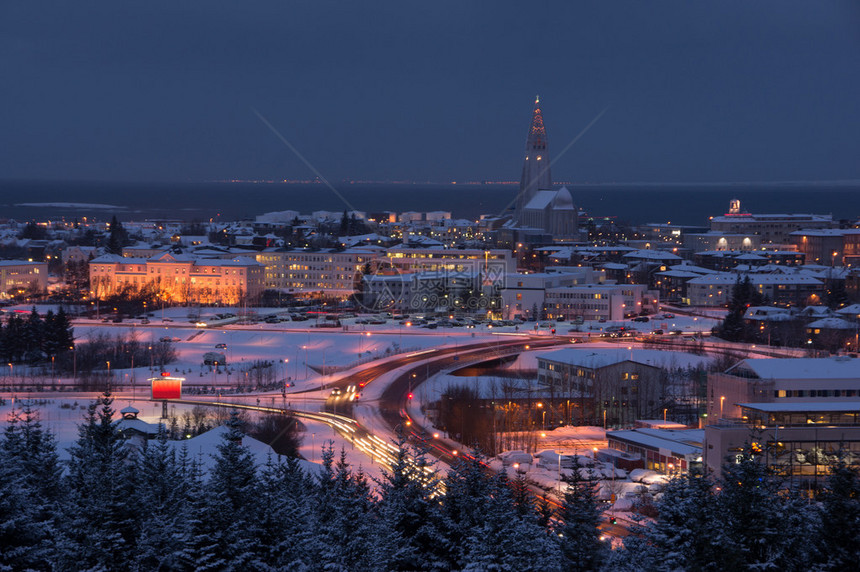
[(722, 400)]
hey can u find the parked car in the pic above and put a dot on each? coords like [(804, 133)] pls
[(220, 346), (641, 319)]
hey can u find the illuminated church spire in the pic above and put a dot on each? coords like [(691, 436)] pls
[(536, 175)]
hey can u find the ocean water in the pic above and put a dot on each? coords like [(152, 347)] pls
[(679, 204)]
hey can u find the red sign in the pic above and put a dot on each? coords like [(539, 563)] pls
[(167, 387)]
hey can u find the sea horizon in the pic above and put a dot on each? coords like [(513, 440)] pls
[(635, 203)]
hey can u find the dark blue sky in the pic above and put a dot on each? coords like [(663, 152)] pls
[(697, 91)]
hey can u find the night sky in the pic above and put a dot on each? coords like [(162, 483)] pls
[(440, 91)]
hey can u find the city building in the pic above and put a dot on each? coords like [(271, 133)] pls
[(495, 262), (797, 440), (782, 380), (429, 291), (721, 241), (829, 247), (795, 289), (320, 273), (769, 228), (19, 276), (600, 301), (669, 451), (523, 293), (607, 389), (179, 278), (538, 206)]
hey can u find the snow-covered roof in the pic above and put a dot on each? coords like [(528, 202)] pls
[(586, 358), (652, 255), (831, 324), (137, 425), (768, 314), (678, 274), (795, 407), (653, 442), (852, 310), (800, 368)]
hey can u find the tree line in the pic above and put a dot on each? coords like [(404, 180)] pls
[(115, 507), (34, 339)]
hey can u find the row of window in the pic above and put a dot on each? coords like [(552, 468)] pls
[(816, 393)]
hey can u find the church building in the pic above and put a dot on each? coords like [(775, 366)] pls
[(538, 205)]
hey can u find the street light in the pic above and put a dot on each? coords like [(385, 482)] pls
[(722, 399)]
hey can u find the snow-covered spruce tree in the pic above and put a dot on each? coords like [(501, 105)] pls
[(343, 518), (840, 518), (579, 516), (99, 521), (284, 526), (467, 488), (687, 534), (162, 490), (410, 538), (232, 500), (200, 543), (508, 539), (766, 525), (29, 491)]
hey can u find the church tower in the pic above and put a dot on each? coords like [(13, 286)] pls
[(536, 175)]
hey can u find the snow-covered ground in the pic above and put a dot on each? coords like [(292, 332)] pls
[(296, 349)]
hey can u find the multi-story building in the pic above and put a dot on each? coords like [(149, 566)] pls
[(721, 241), (770, 228), (18, 276), (428, 292), (799, 441), (325, 273), (830, 247), (179, 278), (606, 389), (782, 380), (496, 262), (783, 289), (600, 301), (523, 293)]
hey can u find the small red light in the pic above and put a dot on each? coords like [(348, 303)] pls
[(409, 396), (165, 374)]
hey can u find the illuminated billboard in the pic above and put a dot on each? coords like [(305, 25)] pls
[(166, 387)]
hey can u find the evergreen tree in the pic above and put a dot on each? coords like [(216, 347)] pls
[(467, 487), (580, 515), (840, 517), (118, 237), (232, 491), (507, 540), (343, 519), (99, 524), (284, 530), (411, 538), (34, 336), (688, 533), (163, 492), (29, 490), (344, 224), (766, 526)]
